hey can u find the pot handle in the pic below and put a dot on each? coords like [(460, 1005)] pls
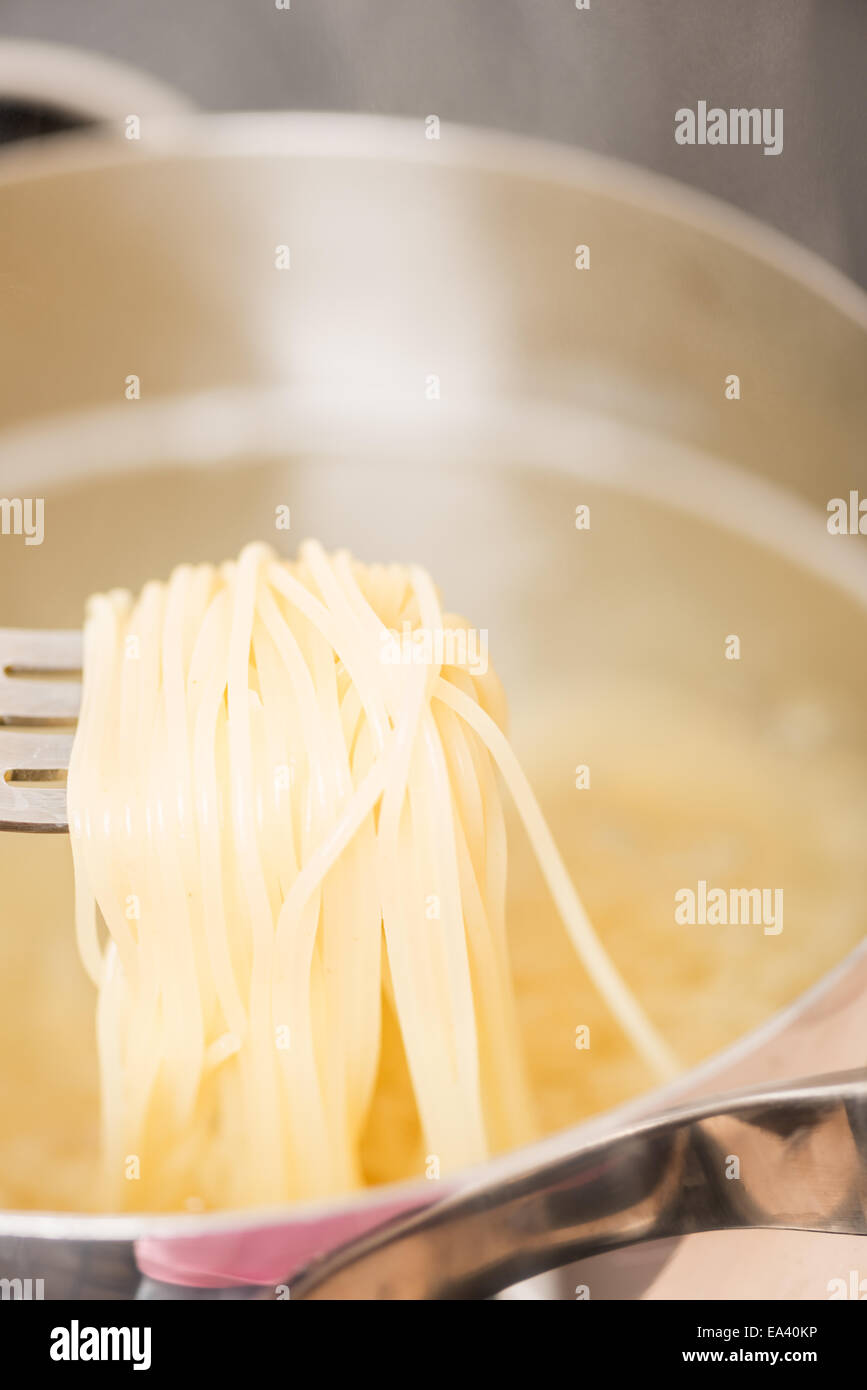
[(46, 88)]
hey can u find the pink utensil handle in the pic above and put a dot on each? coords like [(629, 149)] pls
[(264, 1255)]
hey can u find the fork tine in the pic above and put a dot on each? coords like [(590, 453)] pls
[(33, 805), (27, 699)]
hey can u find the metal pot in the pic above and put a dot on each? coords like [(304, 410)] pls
[(430, 371)]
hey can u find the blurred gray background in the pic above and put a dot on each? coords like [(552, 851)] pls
[(609, 78)]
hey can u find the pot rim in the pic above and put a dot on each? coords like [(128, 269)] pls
[(398, 139)]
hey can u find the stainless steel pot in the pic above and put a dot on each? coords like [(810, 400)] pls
[(431, 367)]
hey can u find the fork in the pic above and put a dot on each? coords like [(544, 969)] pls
[(40, 694)]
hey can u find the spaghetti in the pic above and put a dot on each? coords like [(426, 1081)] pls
[(288, 823)]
